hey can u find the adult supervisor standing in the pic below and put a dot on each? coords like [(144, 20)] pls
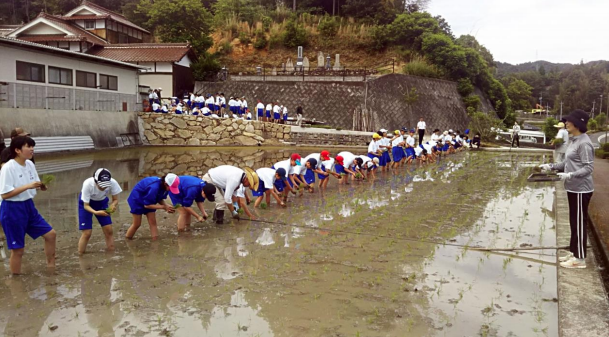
[(421, 129), (516, 134), (561, 142), (576, 171), (228, 180)]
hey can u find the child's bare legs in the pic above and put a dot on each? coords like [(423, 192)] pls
[(50, 240), (259, 201), (154, 231), (84, 240), (183, 219), (109, 234), (15, 261), (137, 222)]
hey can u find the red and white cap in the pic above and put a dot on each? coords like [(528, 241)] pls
[(173, 181)]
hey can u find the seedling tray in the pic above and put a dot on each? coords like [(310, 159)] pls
[(537, 177)]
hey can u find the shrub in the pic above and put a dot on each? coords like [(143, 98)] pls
[(422, 68), (244, 38), (549, 129), (295, 35), (465, 87), (606, 147), (592, 124), (275, 41), (328, 27), (601, 120), (225, 48), (266, 22), (472, 101), (206, 66), (261, 40), (484, 124)]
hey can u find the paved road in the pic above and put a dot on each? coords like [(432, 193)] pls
[(598, 138)]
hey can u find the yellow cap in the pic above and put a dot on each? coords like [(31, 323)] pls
[(376, 135), (397, 132)]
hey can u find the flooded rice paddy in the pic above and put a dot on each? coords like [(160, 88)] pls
[(356, 260)]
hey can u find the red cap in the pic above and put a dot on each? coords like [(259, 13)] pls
[(339, 159), (295, 156), (325, 155)]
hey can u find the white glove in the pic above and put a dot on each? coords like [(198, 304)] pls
[(564, 176), (545, 167)]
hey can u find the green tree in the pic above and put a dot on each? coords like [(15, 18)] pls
[(469, 41), (295, 35), (484, 124), (465, 87), (520, 94), (179, 21), (549, 129), (243, 10), (409, 29), (328, 27)]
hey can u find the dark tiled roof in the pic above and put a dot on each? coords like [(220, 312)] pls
[(85, 17), (113, 15), (143, 52), (79, 34)]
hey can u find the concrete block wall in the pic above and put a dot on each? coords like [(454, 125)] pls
[(103, 126), (335, 103)]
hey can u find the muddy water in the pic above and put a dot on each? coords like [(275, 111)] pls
[(355, 260)]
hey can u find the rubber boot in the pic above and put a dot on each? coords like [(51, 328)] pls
[(219, 216)]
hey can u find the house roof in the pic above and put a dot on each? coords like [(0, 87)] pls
[(63, 52), (71, 32), (104, 12), (85, 17), (144, 52), (6, 29)]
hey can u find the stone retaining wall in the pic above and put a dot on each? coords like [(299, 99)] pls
[(172, 129)]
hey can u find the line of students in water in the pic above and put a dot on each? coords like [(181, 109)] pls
[(224, 185)]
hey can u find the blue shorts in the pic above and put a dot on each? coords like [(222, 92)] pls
[(268, 114), (261, 189), (85, 219), (217, 107), (309, 176), (339, 169), (280, 185), (285, 117), (19, 218), (322, 176), (276, 116), (385, 159), (137, 207), (446, 147), (410, 152), (398, 154), (224, 106), (260, 112)]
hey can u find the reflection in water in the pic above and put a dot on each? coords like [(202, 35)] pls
[(233, 280)]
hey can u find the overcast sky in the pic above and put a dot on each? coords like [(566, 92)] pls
[(518, 31)]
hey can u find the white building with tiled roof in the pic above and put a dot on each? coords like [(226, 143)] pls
[(36, 76), (92, 29)]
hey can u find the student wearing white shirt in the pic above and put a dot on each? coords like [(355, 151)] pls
[(228, 180), (93, 200), (260, 110), (248, 116), (209, 102), (222, 103), (562, 144), (205, 111), (397, 149), (285, 115), (373, 148), (384, 145), (179, 109), (368, 166), (164, 109), (344, 166), (421, 129), (267, 177), (292, 166), (18, 215), (435, 136), (231, 105), (150, 98), (516, 134), (156, 107), (276, 115), (217, 102), (269, 108), (243, 105)]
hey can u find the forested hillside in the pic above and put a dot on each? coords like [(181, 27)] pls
[(239, 33)]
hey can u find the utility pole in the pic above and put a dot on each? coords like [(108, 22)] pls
[(600, 108), (561, 110), (333, 7), (593, 104), (294, 6)]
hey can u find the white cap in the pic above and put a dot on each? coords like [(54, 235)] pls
[(173, 181), (369, 164), (450, 130), (375, 160), (383, 130)]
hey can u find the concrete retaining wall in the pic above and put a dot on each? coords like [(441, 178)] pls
[(103, 126), (384, 98)]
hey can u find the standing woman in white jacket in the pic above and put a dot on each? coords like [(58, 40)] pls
[(576, 171)]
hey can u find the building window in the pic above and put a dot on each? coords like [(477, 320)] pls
[(85, 79), (60, 76), (108, 82), (30, 71), (89, 24)]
